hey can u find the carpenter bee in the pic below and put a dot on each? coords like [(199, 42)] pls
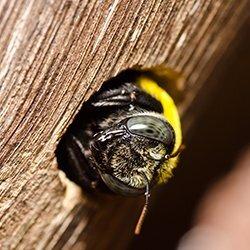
[(125, 140)]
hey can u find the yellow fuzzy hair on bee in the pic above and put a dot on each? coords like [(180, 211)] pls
[(171, 114)]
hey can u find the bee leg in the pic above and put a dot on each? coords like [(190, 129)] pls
[(106, 135), (119, 98), (74, 163), (126, 95), (121, 90)]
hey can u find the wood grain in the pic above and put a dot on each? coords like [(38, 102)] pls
[(53, 56)]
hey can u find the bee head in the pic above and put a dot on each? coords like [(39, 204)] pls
[(132, 152)]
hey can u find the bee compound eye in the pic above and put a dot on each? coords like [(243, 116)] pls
[(120, 187), (151, 127)]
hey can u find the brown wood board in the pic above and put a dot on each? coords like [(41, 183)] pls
[(53, 56)]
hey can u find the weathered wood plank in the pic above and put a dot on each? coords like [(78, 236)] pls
[(53, 56)]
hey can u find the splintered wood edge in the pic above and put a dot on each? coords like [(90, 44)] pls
[(53, 56)]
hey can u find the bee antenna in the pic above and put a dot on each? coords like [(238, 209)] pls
[(145, 207), (177, 152)]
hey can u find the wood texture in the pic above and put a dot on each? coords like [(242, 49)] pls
[(53, 56)]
